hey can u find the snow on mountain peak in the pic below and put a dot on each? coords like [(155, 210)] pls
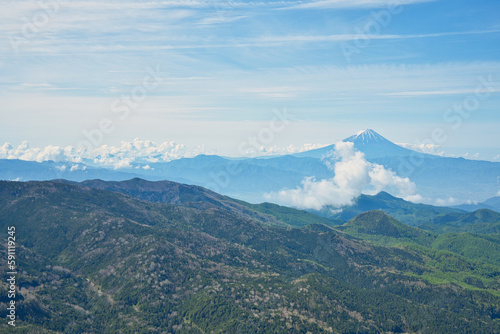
[(366, 136)]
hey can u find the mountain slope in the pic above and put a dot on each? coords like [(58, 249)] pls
[(404, 211), (367, 141), (201, 198), (493, 202), (292, 216), (118, 264), (482, 247), (376, 225), (482, 221)]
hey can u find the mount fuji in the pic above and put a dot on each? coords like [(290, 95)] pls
[(367, 141)]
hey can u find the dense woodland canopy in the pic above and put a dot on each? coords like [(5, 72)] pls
[(99, 261)]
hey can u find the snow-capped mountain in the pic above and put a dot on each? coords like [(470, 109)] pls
[(372, 144), (367, 136)]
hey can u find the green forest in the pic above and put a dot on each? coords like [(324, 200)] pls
[(100, 261)]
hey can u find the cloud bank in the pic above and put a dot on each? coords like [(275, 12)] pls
[(353, 175), (424, 148), (122, 156), (128, 154), (284, 150)]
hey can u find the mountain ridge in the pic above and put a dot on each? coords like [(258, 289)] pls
[(371, 225), (412, 214), (250, 179), (200, 198)]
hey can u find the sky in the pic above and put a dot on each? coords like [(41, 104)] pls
[(205, 76)]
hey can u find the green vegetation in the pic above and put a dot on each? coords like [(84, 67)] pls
[(481, 247), (97, 261), (482, 221), (290, 216), (471, 261), (406, 212), (381, 228)]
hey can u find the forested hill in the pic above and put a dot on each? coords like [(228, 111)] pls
[(96, 261)]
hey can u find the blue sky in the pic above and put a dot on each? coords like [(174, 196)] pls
[(404, 68)]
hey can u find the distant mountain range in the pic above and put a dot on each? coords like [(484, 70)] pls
[(452, 180), (14, 169), (491, 204)]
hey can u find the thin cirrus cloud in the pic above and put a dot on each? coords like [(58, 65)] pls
[(193, 42), (322, 4), (441, 92), (171, 30), (220, 19), (235, 61), (115, 5), (267, 40)]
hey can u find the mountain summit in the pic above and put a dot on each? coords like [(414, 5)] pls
[(375, 146), (368, 136), (367, 141)]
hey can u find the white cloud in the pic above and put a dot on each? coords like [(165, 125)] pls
[(25, 152), (123, 156), (384, 179), (441, 92), (424, 148), (446, 201), (142, 151), (273, 39), (357, 3), (278, 92), (220, 19), (128, 154), (4, 150), (437, 150), (353, 175), (284, 150), (37, 85), (122, 163), (471, 156), (77, 167)]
